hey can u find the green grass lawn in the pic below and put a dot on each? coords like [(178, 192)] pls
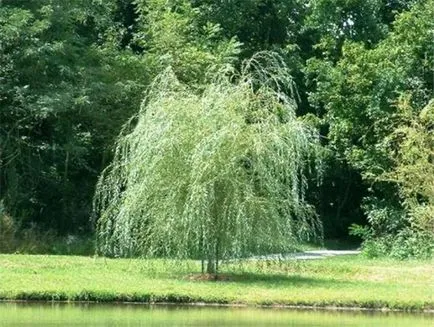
[(348, 281)]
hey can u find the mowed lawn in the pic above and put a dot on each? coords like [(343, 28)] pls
[(348, 281)]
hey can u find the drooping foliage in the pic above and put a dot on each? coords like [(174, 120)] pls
[(212, 175)]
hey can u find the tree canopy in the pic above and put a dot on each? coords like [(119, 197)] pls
[(213, 174)]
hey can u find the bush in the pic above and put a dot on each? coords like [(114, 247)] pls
[(409, 243), (32, 240), (392, 231), (405, 244), (7, 232)]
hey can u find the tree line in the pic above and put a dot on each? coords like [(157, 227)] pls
[(73, 73)]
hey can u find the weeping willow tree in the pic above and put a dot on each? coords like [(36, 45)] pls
[(210, 174)]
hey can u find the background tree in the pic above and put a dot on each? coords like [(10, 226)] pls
[(411, 147), (171, 35), (360, 94), (65, 90), (216, 174)]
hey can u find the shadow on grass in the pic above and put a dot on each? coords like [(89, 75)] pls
[(272, 280)]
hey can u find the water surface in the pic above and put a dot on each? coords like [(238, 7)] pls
[(91, 315)]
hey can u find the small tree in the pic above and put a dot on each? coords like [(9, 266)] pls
[(411, 148), (212, 175)]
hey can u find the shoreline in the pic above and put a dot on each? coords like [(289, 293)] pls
[(302, 307)]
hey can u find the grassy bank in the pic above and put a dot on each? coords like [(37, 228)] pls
[(339, 281)]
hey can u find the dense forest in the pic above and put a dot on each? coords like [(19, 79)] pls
[(72, 73)]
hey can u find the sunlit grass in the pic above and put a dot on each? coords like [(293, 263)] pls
[(339, 281)]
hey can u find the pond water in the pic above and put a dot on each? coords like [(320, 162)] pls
[(91, 315)]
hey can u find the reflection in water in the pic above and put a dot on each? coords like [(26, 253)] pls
[(91, 315)]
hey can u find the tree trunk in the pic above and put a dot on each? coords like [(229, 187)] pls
[(211, 268)]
